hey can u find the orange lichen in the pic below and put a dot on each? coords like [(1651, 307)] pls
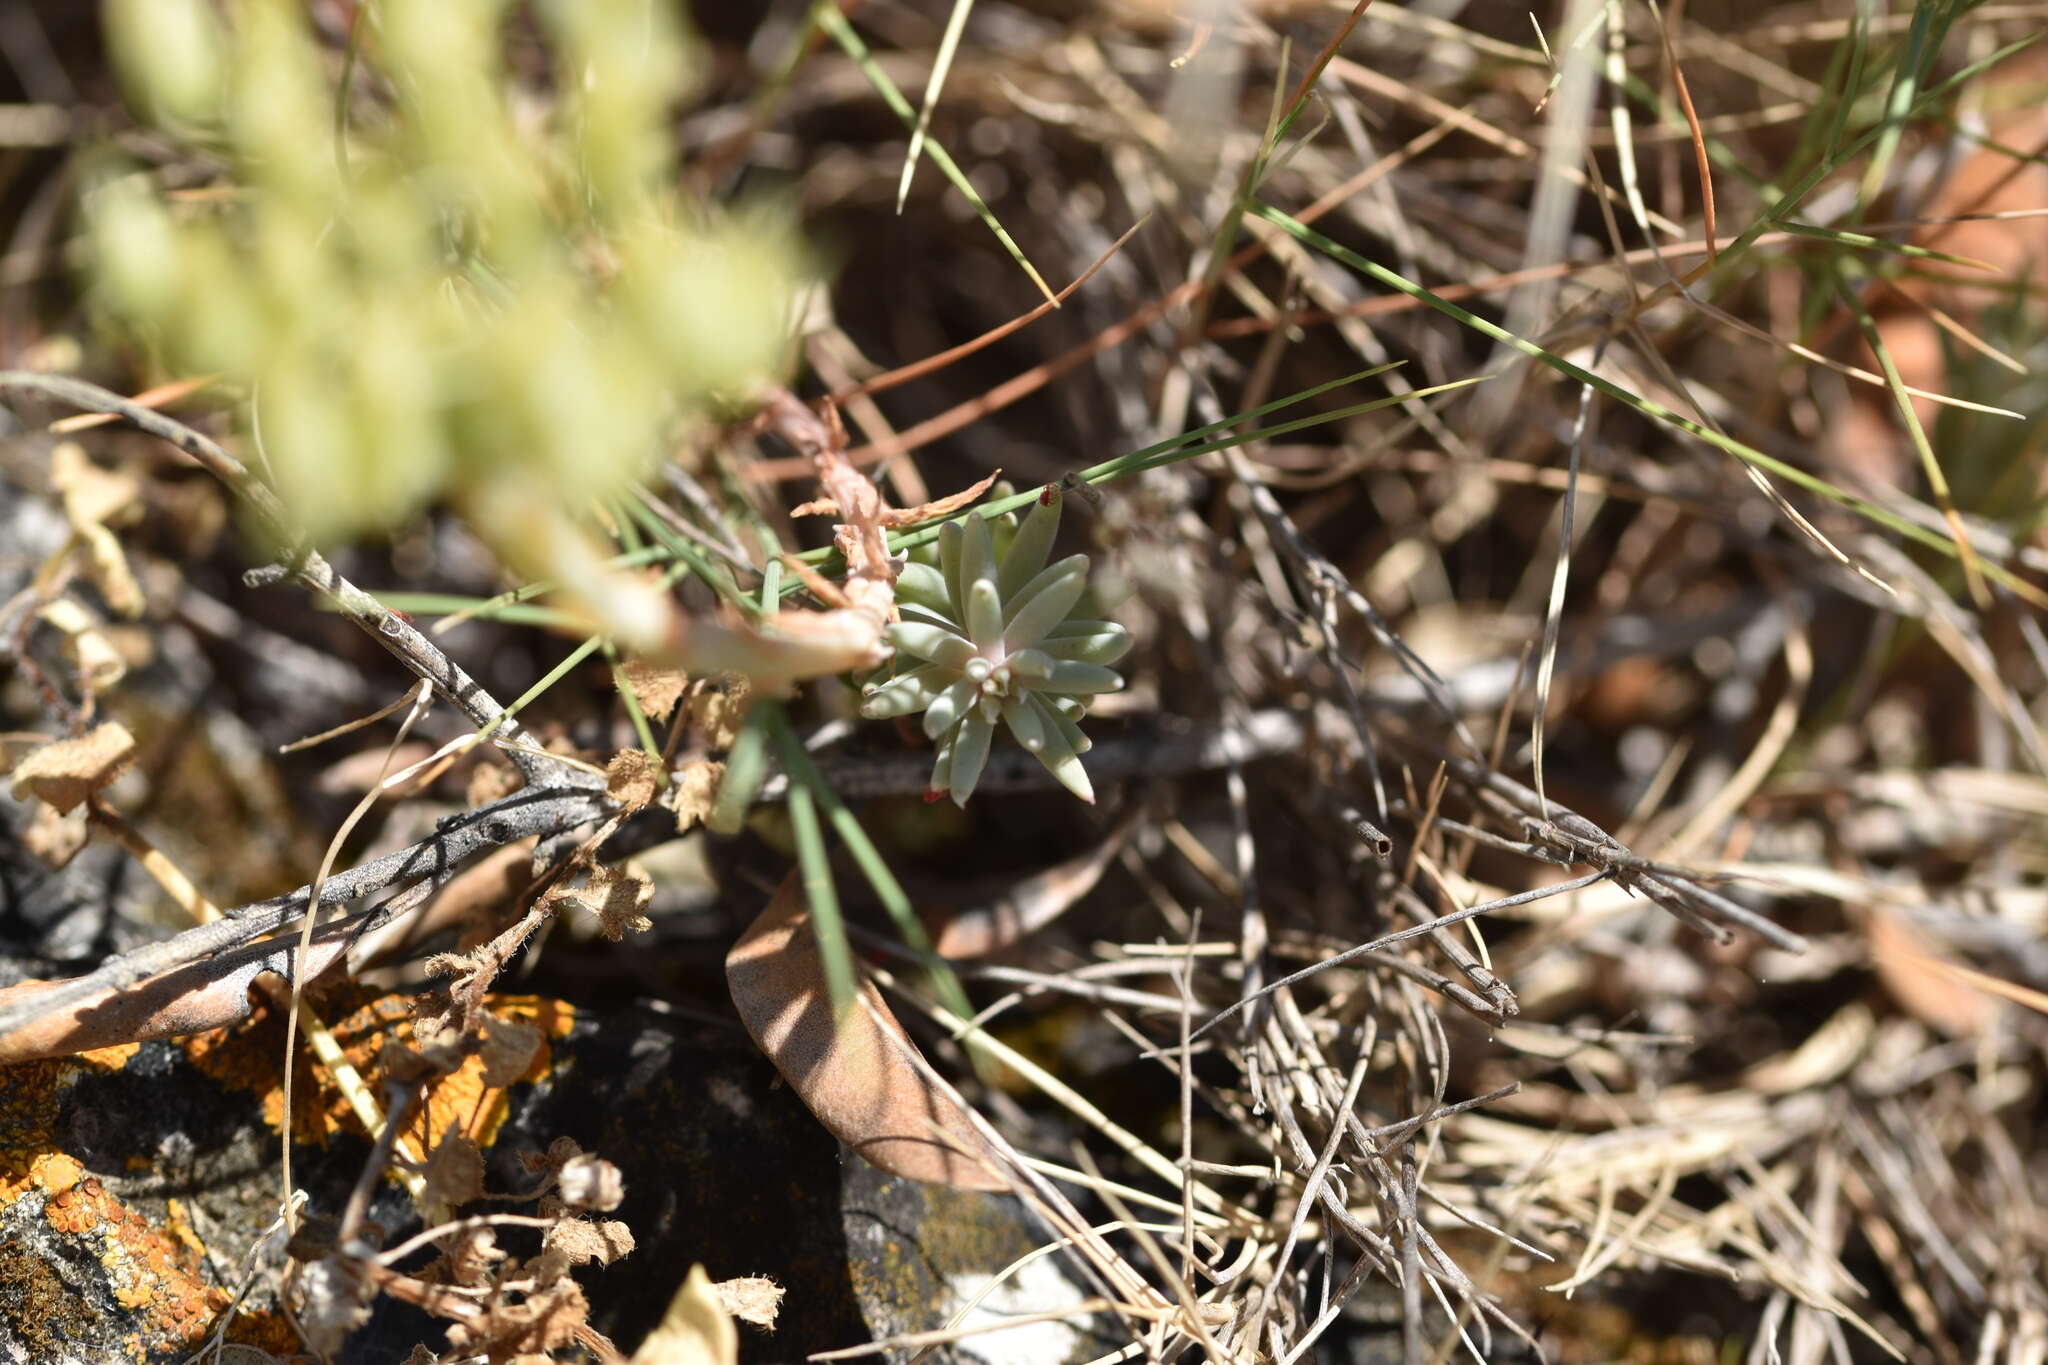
[(178, 1223), (31, 1097), (56, 1171), (154, 1272), (247, 1058), (148, 1273)]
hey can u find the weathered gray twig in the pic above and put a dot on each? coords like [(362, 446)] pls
[(460, 837)]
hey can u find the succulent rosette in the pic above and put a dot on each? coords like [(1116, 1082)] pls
[(988, 637)]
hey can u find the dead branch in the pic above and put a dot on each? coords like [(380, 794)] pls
[(200, 960)]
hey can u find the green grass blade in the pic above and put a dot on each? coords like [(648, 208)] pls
[(1906, 74), (942, 63), (1863, 241), (798, 763), (717, 576), (1937, 481), (648, 743), (834, 23), (814, 864), (746, 768), (1656, 411), (483, 608)]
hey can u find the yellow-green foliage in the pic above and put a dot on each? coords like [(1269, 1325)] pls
[(468, 289)]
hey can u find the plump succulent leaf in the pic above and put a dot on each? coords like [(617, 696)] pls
[(1028, 550), (1048, 606), (1105, 646)]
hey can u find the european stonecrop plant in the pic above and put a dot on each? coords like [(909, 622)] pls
[(431, 284), (988, 637)]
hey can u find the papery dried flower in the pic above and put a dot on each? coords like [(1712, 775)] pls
[(590, 1182), (986, 636)]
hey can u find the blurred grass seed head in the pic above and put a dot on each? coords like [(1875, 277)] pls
[(453, 295)]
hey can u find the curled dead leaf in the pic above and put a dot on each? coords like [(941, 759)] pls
[(632, 778), (855, 1073), (454, 1175), (582, 1241), (616, 895), (510, 1046), (100, 665), (56, 836), (894, 517), (1025, 906), (92, 495), (696, 1329), (93, 498), (694, 793), (1922, 979), (717, 713), (752, 1298), (657, 689), (67, 771)]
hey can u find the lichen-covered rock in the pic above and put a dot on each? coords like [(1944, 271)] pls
[(100, 1257), (135, 1183)]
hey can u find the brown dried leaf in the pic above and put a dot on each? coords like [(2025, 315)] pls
[(751, 1298), (553, 1316), (938, 507), (92, 496), (1913, 971), (472, 1256), (696, 1330), (695, 792), (582, 1241), (54, 836), (490, 782), (106, 568), (632, 778), (854, 1073), (716, 714), (510, 1046), (100, 665), (657, 689), (454, 1174), (860, 537), (66, 772), (616, 895), (893, 517), (626, 894), (1023, 907)]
